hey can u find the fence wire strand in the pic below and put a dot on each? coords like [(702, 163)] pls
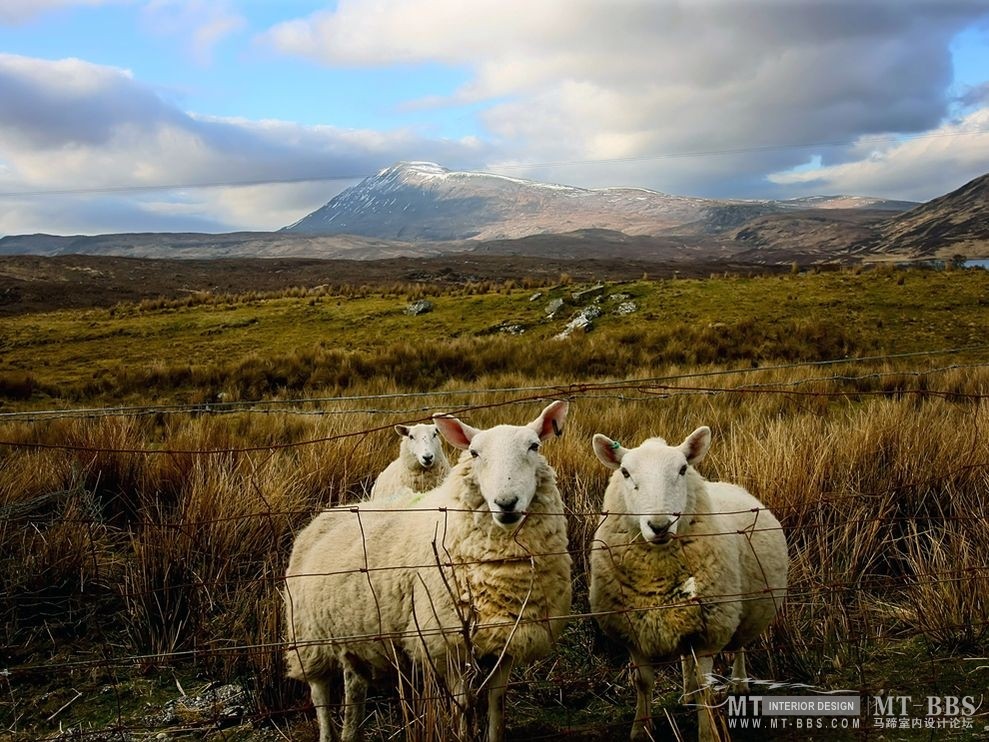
[(813, 591)]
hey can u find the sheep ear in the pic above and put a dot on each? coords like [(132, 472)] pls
[(457, 434), (402, 430), (550, 420), (608, 451), (696, 445)]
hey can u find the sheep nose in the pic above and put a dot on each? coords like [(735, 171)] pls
[(506, 503), (660, 528), (427, 458)]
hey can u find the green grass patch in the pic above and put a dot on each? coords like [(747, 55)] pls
[(260, 347)]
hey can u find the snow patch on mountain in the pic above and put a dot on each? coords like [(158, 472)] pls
[(424, 201)]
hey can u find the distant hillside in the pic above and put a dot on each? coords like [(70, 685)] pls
[(420, 210), (422, 201), (954, 224), (808, 236), (604, 244), (192, 245)]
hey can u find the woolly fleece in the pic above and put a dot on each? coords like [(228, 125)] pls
[(510, 586), (405, 476), (630, 578)]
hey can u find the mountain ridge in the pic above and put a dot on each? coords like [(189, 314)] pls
[(811, 230), (423, 201), (955, 223)]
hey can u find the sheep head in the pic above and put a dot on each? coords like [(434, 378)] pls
[(652, 479), (421, 445), (507, 459)]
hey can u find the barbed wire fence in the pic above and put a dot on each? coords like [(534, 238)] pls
[(811, 591)]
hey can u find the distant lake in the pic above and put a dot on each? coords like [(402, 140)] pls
[(980, 263)]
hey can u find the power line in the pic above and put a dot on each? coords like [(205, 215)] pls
[(888, 138)]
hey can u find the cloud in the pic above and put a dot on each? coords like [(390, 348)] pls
[(916, 169), (977, 95), (103, 101), (202, 23), (97, 214), (577, 80), (13, 12), (120, 133)]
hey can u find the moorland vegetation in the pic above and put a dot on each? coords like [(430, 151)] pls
[(146, 547)]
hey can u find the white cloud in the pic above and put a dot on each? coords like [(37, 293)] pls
[(582, 80), (121, 134), (21, 11), (697, 98), (916, 169), (202, 23)]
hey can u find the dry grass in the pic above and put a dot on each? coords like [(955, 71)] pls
[(170, 558), (147, 555)]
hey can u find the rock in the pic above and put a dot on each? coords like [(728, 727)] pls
[(583, 320), (586, 294), (591, 312), (553, 307), (627, 307), (416, 308), (223, 705), (619, 297), (511, 329), (536, 296)]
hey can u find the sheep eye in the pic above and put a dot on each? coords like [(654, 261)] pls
[(624, 472), (474, 453), (534, 447), (683, 470)]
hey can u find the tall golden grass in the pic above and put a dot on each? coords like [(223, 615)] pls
[(171, 556)]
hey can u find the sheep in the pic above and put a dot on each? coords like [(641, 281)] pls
[(475, 577), (681, 566), (421, 464)]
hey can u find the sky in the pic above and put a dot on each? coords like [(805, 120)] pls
[(223, 115)]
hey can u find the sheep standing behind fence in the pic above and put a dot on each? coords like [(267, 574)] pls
[(476, 576), (421, 465), (682, 567)]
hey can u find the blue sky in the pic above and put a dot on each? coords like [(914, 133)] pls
[(744, 98)]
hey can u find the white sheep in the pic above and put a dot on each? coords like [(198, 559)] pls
[(476, 575), (421, 464), (682, 567)]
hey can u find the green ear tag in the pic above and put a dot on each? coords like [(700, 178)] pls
[(615, 445)]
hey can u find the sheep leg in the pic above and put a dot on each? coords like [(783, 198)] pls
[(496, 687), (355, 694), (320, 690), (644, 677), (739, 676)]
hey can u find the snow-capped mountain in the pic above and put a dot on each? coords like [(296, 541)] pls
[(423, 201)]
